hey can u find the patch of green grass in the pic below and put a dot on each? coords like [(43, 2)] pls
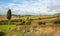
[(5, 27)]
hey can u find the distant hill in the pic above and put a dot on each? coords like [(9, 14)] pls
[(57, 14)]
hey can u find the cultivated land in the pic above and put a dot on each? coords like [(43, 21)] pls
[(40, 26)]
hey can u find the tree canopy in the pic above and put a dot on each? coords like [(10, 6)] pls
[(9, 14)]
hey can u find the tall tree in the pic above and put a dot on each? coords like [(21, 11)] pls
[(9, 16)]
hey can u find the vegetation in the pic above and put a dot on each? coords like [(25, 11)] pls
[(57, 21), (2, 33), (41, 23), (28, 21), (9, 16), (5, 27), (23, 21), (16, 20)]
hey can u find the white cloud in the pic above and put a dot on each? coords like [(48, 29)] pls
[(32, 7)]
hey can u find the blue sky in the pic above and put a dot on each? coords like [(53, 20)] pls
[(33, 7)]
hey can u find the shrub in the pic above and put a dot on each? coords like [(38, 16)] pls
[(14, 20), (2, 33), (28, 21), (18, 20), (39, 18), (57, 21), (4, 21), (23, 22), (41, 23)]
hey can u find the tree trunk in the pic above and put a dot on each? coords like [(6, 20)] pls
[(8, 24)]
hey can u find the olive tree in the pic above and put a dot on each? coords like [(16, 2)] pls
[(8, 16)]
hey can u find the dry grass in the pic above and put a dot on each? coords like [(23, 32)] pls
[(43, 30)]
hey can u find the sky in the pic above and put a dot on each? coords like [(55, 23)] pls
[(30, 7)]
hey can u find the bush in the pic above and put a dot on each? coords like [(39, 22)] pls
[(18, 20), (57, 21), (39, 18), (4, 21), (2, 33), (23, 22), (41, 23), (28, 21)]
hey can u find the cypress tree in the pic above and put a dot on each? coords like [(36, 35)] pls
[(9, 16)]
